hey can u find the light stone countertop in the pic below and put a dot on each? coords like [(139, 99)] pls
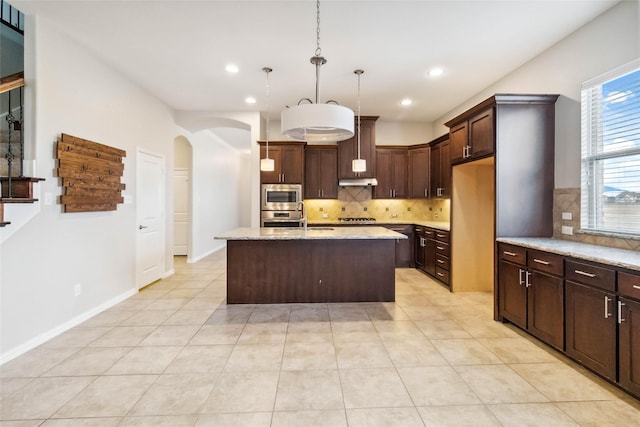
[(439, 225), (314, 232), (612, 256)]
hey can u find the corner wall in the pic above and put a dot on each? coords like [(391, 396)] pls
[(73, 92)]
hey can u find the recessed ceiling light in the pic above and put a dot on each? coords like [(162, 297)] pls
[(406, 101), (435, 72), (232, 68), (250, 100)]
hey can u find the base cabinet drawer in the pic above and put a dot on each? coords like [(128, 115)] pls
[(442, 275)]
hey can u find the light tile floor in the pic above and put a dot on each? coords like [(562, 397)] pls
[(176, 355)]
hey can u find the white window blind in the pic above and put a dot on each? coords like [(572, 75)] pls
[(610, 200)]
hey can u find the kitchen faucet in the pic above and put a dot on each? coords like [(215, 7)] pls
[(303, 209)]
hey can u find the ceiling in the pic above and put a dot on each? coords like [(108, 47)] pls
[(178, 50)]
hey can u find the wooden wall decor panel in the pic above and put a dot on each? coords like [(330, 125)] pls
[(90, 173)]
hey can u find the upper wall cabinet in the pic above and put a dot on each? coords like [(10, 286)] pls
[(440, 182), (392, 173), (321, 172), (473, 137), (288, 157), (348, 150), (419, 170)]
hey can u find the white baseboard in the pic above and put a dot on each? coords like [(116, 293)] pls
[(168, 273), (204, 255), (42, 338)]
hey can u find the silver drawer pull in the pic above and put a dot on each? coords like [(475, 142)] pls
[(606, 307), (439, 248), (584, 273), (440, 261), (636, 286), (509, 253), (539, 261), (620, 319), (440, 274)]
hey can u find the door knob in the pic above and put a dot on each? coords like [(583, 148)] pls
[(140, 227)]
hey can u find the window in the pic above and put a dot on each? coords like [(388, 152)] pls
[(611, 152)]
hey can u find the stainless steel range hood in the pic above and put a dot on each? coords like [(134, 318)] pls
[(358, 182)]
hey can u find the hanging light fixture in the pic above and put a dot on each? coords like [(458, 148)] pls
[(315, 122), (359, 165), (267, 164)]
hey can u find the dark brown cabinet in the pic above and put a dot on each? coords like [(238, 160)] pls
[(404, 247), (591, 328), (288, 159), (348, 150), (440, 183), (433, 252), (391, 166), (532, 292), (419, 171), (321, 172), (629, 331), (472, 138)]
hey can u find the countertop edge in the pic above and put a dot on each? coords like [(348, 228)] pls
[(622, 258)]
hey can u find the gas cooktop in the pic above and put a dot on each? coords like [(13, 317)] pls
[(358, 220)]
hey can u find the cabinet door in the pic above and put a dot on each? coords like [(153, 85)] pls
[(545, 313), (399, 174), (404, 247), (384, 161), (430, 257), (445, 169), (274, 176), (591, 328), (629, 347), (421, 243), (458, 137), (348, 150), (419, 168), (321, 173), (435, 172), (482, 134), (292, 165), (513, 295), (329, 174)]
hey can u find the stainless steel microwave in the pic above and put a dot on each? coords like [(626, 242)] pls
[(281, 197)]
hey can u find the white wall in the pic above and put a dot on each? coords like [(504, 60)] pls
[(73, 92), (606, 42), (219, 191)]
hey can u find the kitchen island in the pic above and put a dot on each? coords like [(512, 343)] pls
[(321, 264)]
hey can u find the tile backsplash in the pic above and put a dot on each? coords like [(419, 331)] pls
[(568, 200), (357, 202)]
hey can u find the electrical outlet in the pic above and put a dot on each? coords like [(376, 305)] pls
[(435, 215), (77, 289), (325, 215), (409, 209), (567, 230), (321, 209), (394, 215), (567, 215)]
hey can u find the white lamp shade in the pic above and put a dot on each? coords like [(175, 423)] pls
[(359, 165), (267, 165), (317, 123)]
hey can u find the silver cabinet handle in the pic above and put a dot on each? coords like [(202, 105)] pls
[(440, 274), (527, 283), (620, 319), (140, 227), (509, 253), (584, 273), (636, 287), (520, 280), (440, 261), (606, 307), (539, 261), (439, 248), (425, 192)]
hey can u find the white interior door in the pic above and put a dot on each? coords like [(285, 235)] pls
[(180, 211), (150, 196)]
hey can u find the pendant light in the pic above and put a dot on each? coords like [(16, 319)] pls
[(267, 164), (359, 165), (315, 122)]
